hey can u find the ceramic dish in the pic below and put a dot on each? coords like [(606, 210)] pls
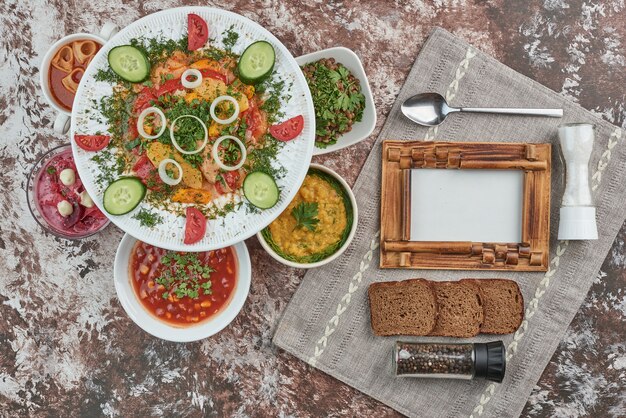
[(341, 249), (160, 329), (364, 128), (294, 156), (44, 212), (62, 120)]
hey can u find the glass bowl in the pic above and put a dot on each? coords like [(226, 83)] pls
[(33, 203)]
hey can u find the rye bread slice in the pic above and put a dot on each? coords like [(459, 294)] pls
[(460, 310), (503, 305), (407, 307)]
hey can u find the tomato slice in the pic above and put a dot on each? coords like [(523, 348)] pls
[(232, 180), (170, 86), (207, 72), (289, 129), (195, 226), (148, 175), (145, 96), (197, 32), (256, 120), (92, 142)]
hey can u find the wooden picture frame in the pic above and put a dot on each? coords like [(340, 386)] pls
[(400, 157)]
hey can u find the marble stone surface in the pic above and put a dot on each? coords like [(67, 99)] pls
[(68, 349)]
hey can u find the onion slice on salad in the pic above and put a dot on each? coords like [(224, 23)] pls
[(142, 117), (163, 172), (191, 72), (220, 100), (216, 156), (175, 143)]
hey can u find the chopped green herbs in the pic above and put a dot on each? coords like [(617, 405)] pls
[(337, 99), (148, 218), (230, 38), (306, 215), (184, 276)]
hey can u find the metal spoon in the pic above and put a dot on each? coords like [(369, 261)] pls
[(431, 109)]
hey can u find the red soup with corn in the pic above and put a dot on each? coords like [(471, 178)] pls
[(183, 289)]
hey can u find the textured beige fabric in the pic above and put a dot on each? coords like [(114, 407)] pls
[(327, 321)]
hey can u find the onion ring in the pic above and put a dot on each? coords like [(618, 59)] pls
[(163, 173), (220, 100), (178, 147), (142, 117), (216, 156), (191, 84)]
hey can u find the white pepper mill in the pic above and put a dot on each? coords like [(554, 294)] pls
[(578, 214)]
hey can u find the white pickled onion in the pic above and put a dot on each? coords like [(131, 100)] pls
[(163, 172), (191, 72), (142, 117), (220, 100), (175, 143), (216, 156)]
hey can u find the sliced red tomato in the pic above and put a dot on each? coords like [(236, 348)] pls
[(195, 225), (169, 86), (92, 142), (144, 99), (207, 72), (147, 173), (256, 121), (197, 32), (289, 129), (232, 180)]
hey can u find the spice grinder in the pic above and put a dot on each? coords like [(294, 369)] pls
[(450, 360), (577, 214)]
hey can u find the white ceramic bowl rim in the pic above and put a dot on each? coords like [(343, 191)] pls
[(160, 329), (345, 245)]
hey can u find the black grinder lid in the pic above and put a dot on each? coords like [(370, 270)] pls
[(490, 361)]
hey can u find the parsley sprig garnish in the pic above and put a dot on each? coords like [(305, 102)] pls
[(306, 215), (184, 275)]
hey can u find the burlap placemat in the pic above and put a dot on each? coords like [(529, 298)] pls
[(327, 322)]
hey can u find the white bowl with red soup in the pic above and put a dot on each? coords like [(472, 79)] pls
[(181, 296)]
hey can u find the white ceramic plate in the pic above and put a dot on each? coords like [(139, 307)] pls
[(355, 222), (295, 156), (160, 329), (364, 128)]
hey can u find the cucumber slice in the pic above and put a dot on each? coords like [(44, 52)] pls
[(257, 62), (129, 63), (123, 195), (260, 189)]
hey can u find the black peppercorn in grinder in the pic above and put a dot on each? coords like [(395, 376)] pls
[(450, 360)]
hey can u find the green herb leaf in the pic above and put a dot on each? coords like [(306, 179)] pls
[(306, 215)]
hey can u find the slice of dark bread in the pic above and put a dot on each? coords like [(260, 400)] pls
[(503, 304), (460, 309), (402, 308)]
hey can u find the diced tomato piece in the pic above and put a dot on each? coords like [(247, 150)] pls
[(256, 121), (195, 225), (197, 32), (143, 100), (232, 180), (169, 86), (289, 129), (207, 72), (92, 142), (148, 174)]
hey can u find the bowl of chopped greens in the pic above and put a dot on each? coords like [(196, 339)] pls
[(317, 225), (343, 102)]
